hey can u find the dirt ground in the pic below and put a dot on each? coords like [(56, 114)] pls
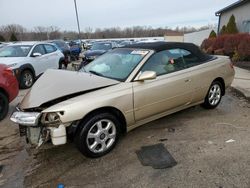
[(196, 138)]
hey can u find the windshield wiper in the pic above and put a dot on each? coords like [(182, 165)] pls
[(96, 73)]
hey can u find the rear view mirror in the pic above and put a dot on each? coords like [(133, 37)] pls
[(36, 54), (147, 75)]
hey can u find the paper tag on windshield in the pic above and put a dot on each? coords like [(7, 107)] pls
[(139, 52)]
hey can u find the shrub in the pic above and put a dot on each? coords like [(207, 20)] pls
[(244, 49), (231, 26), (208, 43), (219, 42), (212, 34), (237, 46), (223, 30), (236, 56)]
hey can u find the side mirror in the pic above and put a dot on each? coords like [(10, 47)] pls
[(36, 54), (147, 75)]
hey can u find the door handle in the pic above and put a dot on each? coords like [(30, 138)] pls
[(187, 80)]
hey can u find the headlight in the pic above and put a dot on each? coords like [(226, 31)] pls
[(25, 118), (12, 65), (51, 119)]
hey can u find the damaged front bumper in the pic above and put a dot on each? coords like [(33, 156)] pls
[(36, 133)]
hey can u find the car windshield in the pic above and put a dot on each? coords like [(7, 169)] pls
[(116, 64), (15, 51), (101, 46)]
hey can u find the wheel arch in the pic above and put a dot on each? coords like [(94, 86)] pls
[(221, 80), (112, 110), (27, 67)]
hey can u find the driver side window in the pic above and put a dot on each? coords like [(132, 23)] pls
[(164, 62), (39, 49)]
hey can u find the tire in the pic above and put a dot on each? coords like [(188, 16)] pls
[(26, 79), (213, 96), (94, 138), (60, 65), (4, 106)]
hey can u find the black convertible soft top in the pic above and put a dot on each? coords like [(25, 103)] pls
[(160, 46)]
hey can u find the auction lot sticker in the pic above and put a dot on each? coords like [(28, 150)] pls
[(139, 52)]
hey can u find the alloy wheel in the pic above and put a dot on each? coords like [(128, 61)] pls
[(28, 79), (101, 136), (214, 95)]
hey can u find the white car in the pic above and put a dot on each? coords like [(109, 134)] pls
[(30, 59)]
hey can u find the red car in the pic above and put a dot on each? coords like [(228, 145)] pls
[(8, 89)]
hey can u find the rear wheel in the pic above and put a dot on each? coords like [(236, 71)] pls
[(4, 105), (98, 135), (26, 79), (214, 95)]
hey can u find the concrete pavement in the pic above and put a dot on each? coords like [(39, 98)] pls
[(241, 82)]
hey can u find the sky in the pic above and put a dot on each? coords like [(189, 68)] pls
[(110, 13)]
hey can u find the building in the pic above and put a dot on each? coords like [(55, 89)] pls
[(241, 11), (198, 36), (174, 37)]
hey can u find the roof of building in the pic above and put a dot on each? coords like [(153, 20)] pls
[(160, 46), (232, 6)]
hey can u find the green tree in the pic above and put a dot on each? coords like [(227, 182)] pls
[(223, 30), (231, 26), (2, 39), (13, 37), (212, 34)]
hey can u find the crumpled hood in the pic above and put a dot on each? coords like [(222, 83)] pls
[(54, 84), (12, 60)]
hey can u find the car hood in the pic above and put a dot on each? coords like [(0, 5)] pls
[(57, 84), (11, 60), (94, 52)]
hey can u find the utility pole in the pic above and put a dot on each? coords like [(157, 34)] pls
[(77, 19)]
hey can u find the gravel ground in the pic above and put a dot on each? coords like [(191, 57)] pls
[(195, 137)]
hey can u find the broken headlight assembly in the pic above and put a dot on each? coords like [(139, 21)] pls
[(51, 119)]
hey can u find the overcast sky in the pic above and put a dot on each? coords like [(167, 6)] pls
[(110, 13)]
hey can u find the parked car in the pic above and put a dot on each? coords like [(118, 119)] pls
[(2, 44), (8, 89), (97, 49), (65, 49), (29, 60), (119, 91), (125, 43)]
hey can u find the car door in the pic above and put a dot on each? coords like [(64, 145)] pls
[(201, 74), (171, 88), (52, 57), (37, 60)]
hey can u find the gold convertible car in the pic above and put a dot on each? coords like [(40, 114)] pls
[(119, 91)]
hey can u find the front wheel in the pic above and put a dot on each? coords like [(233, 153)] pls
[(98, 135), (26, 79), (4, 105), (214, 95)]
